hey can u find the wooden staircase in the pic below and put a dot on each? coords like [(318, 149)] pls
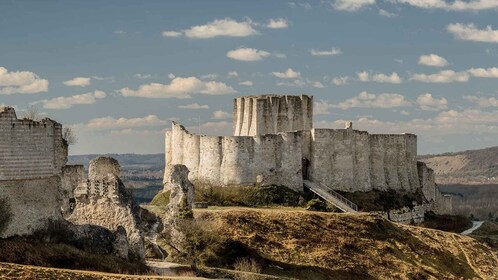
[(331, 196)]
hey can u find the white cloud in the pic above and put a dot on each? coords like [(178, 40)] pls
[(78, 82), (171, 76), (428, 103), (351, 5), (193, 106), (246, 83), (110, 122), (247, 54), (280, 55), (179, 88), (66, 102), (211, 76), (387, 14), (316, 84), (321, 107), (288, 74), (483, 102), (339, 81), (370, 100), (119, 32), (220, 115), (471, 32), (457, 5), (484, 73), (331, 52), (446, 76), (23, 82), (221, 27), (432, 60), (142, 76), (171, 34), (379, 78), (277, 23), (233, 74)]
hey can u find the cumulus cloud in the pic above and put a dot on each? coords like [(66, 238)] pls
[(483, 102), (22, 82), (387, 14), (316, 84), (246, 83), (287, 74), (339, 81), (446, 76), (179, 88), (427, 102), (220, 115), (66, 102), (471, 32), (432, 60), (142, 76), (78, 82), (331, 52), (322, 107), (457, 5), (247, 54), (370, 100), (233, 74), (351, 5), (171, 34), (379, 78), (193, 106), (110, 122), (278, 23), (484, 73), (219, 27)]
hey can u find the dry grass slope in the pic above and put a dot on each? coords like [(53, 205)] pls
[(312, 245)]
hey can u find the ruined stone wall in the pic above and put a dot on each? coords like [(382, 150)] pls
[(237, 160), (405, 215), (352, 160), (443, 203), (31, 203), (427, 181), (270, 114), (102, 200), (72, 176), (30, 149)]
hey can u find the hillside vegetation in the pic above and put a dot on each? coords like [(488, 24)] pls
[(467, 167), (314, 245)]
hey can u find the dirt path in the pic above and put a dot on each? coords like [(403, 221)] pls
[(475, 225)]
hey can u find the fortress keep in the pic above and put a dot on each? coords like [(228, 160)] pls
[(274, 143)]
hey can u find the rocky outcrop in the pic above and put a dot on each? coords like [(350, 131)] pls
[(180, 204), (102, 200)]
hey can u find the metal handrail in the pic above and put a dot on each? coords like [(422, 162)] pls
[(334, 194), (344, 200)]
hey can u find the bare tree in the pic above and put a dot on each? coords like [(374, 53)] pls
[(31, 113), (69, 136)]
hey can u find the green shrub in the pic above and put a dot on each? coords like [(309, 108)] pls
[(316, 205), (161, 199)]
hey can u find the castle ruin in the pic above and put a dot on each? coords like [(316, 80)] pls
[(274, 143)]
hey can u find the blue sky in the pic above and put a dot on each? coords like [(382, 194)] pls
[(119, 71)]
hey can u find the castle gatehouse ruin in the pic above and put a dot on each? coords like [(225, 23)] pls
[(274, 143)]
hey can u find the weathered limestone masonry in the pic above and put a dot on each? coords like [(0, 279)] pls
[(32, 159), (237, 160), (274, 143), (102, 200), (270, 114)]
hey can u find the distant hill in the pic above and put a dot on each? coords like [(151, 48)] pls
[(472, 167), (151, 162)]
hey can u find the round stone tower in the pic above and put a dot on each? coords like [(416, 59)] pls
[(270, 114)]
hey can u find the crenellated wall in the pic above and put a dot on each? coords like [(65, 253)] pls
[(30, 149), (270, 114), (237, 160)]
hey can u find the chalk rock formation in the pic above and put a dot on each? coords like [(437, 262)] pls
[(180, 203), (102, 200)]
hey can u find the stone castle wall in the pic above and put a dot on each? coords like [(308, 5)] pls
[(237, 160), (352, 160), (343, 159), (270, 114), (30, 149)]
